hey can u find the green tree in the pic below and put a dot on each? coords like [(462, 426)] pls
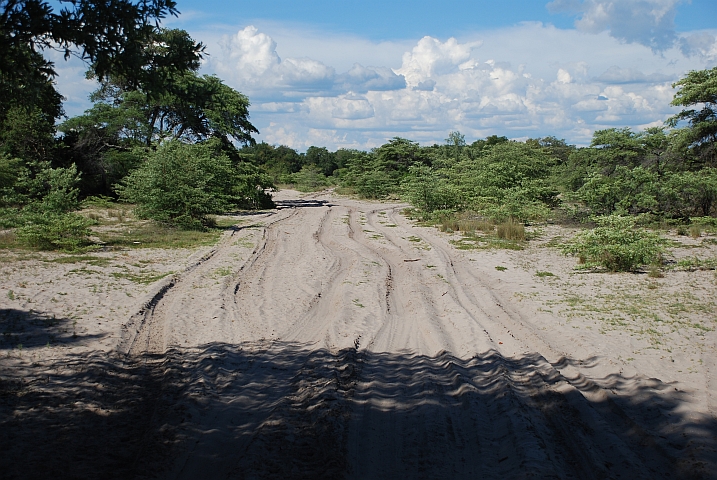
[(27, 133), (480, 145), (510, 180), (102, 143), (279, 162), (399, 154), (167, 100), (429, 190), (181, 184), (108, 34), (626, 191), (687, 194), (174, 100), (322, 158), (456, 141), (698, 89), (309, 179)]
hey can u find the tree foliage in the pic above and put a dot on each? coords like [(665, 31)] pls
[(109, 34), (698, 89), (181, 184)]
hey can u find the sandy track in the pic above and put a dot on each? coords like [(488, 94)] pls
[(351, 344)]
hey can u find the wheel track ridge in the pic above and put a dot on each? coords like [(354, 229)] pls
[(142, 319)]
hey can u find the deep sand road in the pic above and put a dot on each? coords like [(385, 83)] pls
[(350, 344)]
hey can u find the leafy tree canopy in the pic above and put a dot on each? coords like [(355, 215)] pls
[(174, 101), (698, 89), (105, 33), (108, 34)]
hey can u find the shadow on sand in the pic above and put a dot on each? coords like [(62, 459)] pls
[(27, 329), (302, 203), (281, 410)]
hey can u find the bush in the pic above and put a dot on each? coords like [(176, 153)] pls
[(616, 244), (426, 189), (51, 231), (182, 184), (309, 179), (375, 184)]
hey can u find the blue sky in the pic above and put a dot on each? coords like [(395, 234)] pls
[(355, 74), (385, 20)]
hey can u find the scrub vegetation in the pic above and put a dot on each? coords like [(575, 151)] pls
[(178, 147)]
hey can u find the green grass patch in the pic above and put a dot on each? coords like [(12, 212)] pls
[(143, 278), (92, 260), (543, 274), (695, 263), (511, 231), (223, 272), (474, 242), (226, 222), (8, 239), (154, 235)]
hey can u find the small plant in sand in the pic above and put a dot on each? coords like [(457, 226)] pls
[(695, 231), (655, 272)]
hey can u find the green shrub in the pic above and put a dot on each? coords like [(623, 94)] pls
[(616, 244), (9, 172), (375, 184), (181, 185), (426, 189), (99, 201), (49, 231), (309, 179), (655, 272), (706, 224)]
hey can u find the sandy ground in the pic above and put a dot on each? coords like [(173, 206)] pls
[(333, 338)]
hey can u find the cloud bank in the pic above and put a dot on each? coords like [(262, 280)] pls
[(530, 80), (614, 69)]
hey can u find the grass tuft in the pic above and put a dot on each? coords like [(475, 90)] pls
[(511, 230)]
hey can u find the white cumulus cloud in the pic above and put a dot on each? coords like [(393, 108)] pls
[(363, 79), (432, 57), (248, 59), (702, 45)]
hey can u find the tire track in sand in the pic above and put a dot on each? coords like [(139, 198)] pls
[(339, 358)]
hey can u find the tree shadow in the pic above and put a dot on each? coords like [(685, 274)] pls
[(28, 329), (285, 410), (302, 203)]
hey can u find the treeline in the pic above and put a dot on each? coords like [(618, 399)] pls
[(667, 172)]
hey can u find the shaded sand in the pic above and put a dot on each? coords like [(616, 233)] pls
[(333, 338)]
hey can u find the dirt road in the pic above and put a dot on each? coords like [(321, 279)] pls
[(351, 344)]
